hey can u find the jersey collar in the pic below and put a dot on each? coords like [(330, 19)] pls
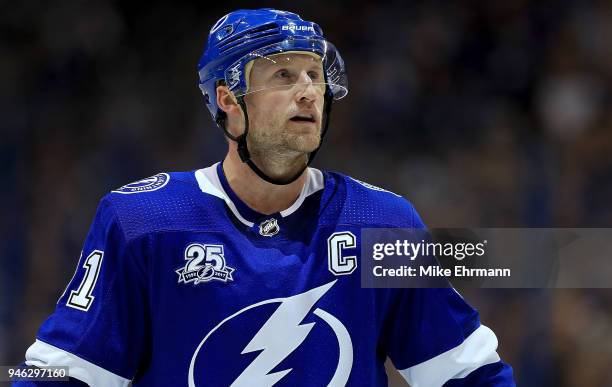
[(212, 181)]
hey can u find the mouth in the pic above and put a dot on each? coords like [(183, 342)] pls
[(303, 118)]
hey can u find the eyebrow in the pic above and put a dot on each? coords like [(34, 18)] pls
[(270, 62), (282, 66)]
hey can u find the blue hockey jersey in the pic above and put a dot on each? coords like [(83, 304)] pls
[(180, 283)]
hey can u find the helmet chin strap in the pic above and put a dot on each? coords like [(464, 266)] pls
[(243, 150)]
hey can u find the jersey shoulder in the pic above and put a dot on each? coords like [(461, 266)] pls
[(167, 201), (371, 206)]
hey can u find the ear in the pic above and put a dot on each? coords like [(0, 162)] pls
[(227, 101)]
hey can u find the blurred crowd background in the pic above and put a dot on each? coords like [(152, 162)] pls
[(482, 113)]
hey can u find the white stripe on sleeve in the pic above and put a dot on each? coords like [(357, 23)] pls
[(477, 350), (41, 354)]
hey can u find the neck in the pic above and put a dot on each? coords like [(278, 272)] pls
[(258, 194)]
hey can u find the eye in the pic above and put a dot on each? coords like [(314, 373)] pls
[(283, 74), (315, 75)]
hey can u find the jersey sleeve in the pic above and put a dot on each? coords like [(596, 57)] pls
[(434, 338), (99, 325)]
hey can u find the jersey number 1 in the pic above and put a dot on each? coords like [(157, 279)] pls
[(82, 297)]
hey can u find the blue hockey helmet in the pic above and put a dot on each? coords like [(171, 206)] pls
[(244, 35)]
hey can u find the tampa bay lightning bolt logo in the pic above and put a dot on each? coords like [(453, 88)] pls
[(149, 184), (231, 355), (204, 263), (233, 77), (373, 187)]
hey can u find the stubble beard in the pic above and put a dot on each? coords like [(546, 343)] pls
[(275, 139), (279, 148)]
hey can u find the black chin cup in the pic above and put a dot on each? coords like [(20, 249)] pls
[(243, 150)]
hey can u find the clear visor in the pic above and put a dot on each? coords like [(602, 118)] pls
[(292, 65)]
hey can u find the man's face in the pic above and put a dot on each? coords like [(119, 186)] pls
[(285, 104)]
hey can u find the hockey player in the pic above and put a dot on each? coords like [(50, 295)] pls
[(246, 273)]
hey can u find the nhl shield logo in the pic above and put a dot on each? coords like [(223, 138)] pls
[(204, 263), (269, 228)]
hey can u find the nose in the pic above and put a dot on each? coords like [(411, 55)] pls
[(308, 91)]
